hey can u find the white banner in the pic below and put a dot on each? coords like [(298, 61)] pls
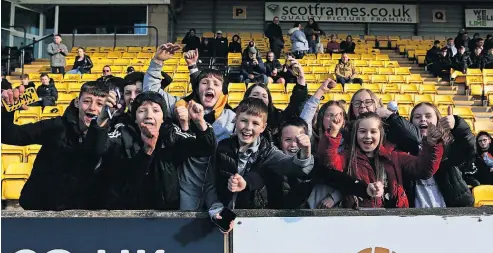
[(479, 18), (368, 234), (340, 12)]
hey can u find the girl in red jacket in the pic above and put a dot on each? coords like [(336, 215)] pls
[(368, 160)]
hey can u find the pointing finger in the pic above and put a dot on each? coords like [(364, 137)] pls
[(450, 110)]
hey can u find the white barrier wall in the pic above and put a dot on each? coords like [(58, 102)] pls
[(405, 234)]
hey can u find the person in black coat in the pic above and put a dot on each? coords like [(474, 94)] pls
[(442, 64), (488, 43), (459, 152), (82, 63), (191, 41), (462, 60), (139, 162), (473, 42), (484, 158), (61, 178), (245, 54), (220, 45), (47, 92), (312, 33), (488, 59), (274, 33), (432, 53), (462, 39), (273, 69), (348, 45), (235, 44), (206, 48), (477, 59)]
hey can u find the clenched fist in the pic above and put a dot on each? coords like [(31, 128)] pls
[(305, 145), (335, 124), (182, 115), (236, 183), (375, 190), (434, 134), (196, 112)]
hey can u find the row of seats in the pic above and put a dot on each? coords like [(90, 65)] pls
[(116, 49), (17, 154), (36, 113)]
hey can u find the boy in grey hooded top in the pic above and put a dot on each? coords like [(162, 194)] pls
[(207, 90)]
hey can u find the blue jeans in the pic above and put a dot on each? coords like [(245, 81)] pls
[(257, 78), (74, 71)]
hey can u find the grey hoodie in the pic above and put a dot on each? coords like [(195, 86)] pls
[(298, 40)]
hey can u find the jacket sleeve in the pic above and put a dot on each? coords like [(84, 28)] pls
[(49, 49), (152, 82), (328, 147), (343, 182), (89, 63), (283, 164), (40, 132), (296, 102), (425, 164), (261, 66), (338, 71), (54, 93), (463, 149), (244, 69), (309, 111), (403, 133), (185, 145), (64, 51)]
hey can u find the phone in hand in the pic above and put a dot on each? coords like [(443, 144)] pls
[(227, 217)]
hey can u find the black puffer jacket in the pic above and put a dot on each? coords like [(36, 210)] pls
[(265, 160), (135, 180), (462, 61), (48, 93), (83, 66), (61, 177), (457, 159)]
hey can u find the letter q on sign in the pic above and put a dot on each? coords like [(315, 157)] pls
[(239, 12), (439, 16)]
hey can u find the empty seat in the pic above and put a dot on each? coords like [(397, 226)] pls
[(405, 99), (385, 71), (405, 111), (64, 98), (386, 98), (114, 55), (351, 87), (120, 49), (476, 89), (483, 195), (51, 112), (375, 87), (181, 77), (376, 63), (11, 154), (444, 100), (279, 99), (487, 72), (12, 187), (134, 49), (379, 79), (474, 72), (276, 87), (144, 55), (32, 112), (414, 78), (19, 169), (120, 62), (237, 87), (464, 112), (89, 77), (342, 97), (369, 70), (427, 89), (72, 77), (423, 98), (402, 71), (127, 55), (474, 80), (390, 88), (234, 99)]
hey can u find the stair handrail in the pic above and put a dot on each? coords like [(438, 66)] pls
[(115, 33), (22, 51)]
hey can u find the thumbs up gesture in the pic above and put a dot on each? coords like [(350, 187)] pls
[(448, 122)]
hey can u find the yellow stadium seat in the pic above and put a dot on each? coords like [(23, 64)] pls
[(404, 111), (234, 99), (379, 79), (237, 87), (476, 89), (376, 63), (120, 62), (148, 49), (336, 56), (320, 70), (375, 87), (182, 69), (289, 88), (280, 99), (464, 112), (311, 78), (92, 49), (51, 112), (127, 55), (391, 64), (71, 77), (474, 80), (402, 71), (108, 62), (19, 169), (234, 61), (169, 69), (365, 78), (89, 77), (444, 100), (404, 99), (369, 70), (385, 71), (360, 63), (474, 72), (345, 97), (324, 56), (11, 154), (119, 74), (367, 57), (409, 88), (386, 98), (487, 80), (423, 98), (144, 55), (487, 72), (62, 87), (114, 55), (382, 57), (276, 87), (74, 87), (181, 77), (134, 49), (64, 98), (177, 87), (56, 77), (390, 88), (351, 87), (234, 55), (483, 195), (105, 49), (12, 187), (427, 89), (33, 112), (414, 78)]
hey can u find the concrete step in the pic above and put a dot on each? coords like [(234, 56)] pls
[(481, 109), (483, 115), (468, 102), (483, 125), (42, 60), (45, 63)]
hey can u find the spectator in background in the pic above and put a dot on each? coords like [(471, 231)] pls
[(452, 50), (82, 63), (432, 53), (332, 45), (462, 60), (346, 72), (462, 39), (488, 43), (480, 44), (348, 45), (484, 158), (299, 44), (273, 69), (26, 82), (57, 50), (289, 72), (477, 59), (441, 66), (253, 68), (106, 74), (274, 33), (235, 44), (130, 70), (47, 92), (473, 43), (312, 33), (220, 45), (191, 41), (488, 59), (251, 44), (206, 48)]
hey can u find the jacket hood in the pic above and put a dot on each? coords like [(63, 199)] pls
[(292, 30)]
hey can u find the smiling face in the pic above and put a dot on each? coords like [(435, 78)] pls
[(45, 80), (210, 88), (363, 102), (248, 128), (289, 145), (422, 115), (57, 39), (260, 93), (345, 58), (484, 143), (130, 92), (149, 113), (270, 57), (89, 107), (106, 71), (368, 135)]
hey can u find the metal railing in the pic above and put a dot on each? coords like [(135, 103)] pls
[(22, 52), (115, 32)]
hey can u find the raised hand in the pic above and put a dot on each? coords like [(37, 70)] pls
[(191, 57), (183, 118), (236, 183), (335, 124), (434, 134), (196, 112), (305, 145), (448, 122), (166, 51), (111, 104)]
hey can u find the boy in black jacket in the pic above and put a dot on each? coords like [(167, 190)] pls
[(140, 160), (244, 161), (47, 92), (58, 179)]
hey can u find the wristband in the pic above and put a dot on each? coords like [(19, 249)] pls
[(193, 66)]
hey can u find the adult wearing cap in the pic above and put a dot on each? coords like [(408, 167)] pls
[(221, 47), (253, 68), (442, 64)]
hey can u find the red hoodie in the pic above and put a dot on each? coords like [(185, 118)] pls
[(396, 164)]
